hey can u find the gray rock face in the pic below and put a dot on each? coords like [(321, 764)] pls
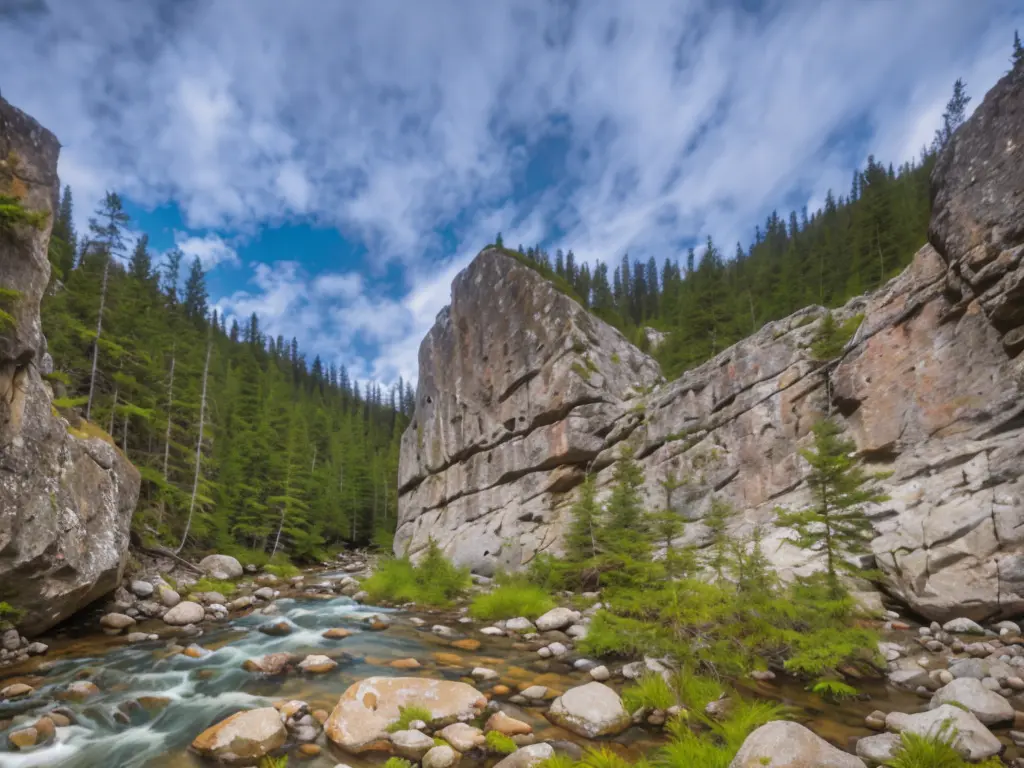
[(66, 497), (521, 391)]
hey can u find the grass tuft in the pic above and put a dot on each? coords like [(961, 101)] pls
[(499, 743), (515, 597), (649, 692), (409, 714), (434, 581)]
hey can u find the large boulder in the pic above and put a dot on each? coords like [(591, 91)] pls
[(988, 706), (67, 494), (184, 613), (973, 740), (521, 389), (243, 738), (782, 744), (222, 564), (590, 710), (360, 720)]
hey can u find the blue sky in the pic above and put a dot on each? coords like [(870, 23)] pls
[(334, 164)]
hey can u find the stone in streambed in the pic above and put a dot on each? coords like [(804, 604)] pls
[(989, 707), (440, 757), (974, 741), (271, 664), (462, 736), (411, 744), (506, 725), (359, 721), (783, 744), (223, 564), (184, 613), (243, 738), (527, 757), (589, 710), (337, 633), (317, 664)]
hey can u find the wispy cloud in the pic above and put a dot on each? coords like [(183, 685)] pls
[(210, 249), (420, 129)]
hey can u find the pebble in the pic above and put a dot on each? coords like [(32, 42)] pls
[(483, 673), (16, 691), (600, 673)]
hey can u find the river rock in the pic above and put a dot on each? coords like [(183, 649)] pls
[(521, 387), (115, 622), (80, 690), (243, 738), (783, 744), (317, 664), (184, 613), (271, 664), (23, 738), (600, 673), (440, 757), (462, 736), (16, 691), (10, 640), (141, 588), (507, 725), (989, 707), (963, 626), (590, 710), (227, 566), (337, 633), (67, 494), (974, 741), (264, 593), (557, 618), (411, 744), (527, 757), (167, 596), (277, 628), (878, 749), (362, 715)]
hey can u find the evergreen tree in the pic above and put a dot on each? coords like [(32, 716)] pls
[(140, 265), (194, 300), (954, 116), (836, 525), (1018, 50), (582, 540), (717, 521), (172, 273)]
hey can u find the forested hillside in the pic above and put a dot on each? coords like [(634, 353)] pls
[(243, 445), (709, 300)]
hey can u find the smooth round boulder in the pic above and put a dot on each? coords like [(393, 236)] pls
[(243, 738), (271, 664), (184, 613), (989, 707), (879, 749), (527, 757), (167, 596), (411, 744), (16, 691), (360, 720), (782, 744), (317, 664), (141, 588), (462, 736), (116, 622), (224, 564), (557, 618), (590, 710), (973, 740), (440, 757)]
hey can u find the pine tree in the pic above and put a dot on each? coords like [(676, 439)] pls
[(1018, 50), (172, 273), (195, 297), (717, 521), (140, 265), (836, 525), (582, 540), (954, 116)]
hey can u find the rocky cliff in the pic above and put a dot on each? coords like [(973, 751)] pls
[(66, 499), (521, 392)]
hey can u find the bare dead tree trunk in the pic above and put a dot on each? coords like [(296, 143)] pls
[(113, 410), (199, 449), (96, 341), (167, 433)]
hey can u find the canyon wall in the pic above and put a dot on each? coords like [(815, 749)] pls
[(522, 392), (66, 497)]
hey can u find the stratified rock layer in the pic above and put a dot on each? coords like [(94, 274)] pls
[(521, 391), (65, 501)]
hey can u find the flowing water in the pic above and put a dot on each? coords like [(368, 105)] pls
[(154, 701)]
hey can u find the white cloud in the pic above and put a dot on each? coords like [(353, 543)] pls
[(210, 249), (412, 127)]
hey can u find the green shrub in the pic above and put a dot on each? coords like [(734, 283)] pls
[(408, 715), (514, 598), (500, 743), (283, 570), (651, 691), (833, 690), (434, 581), (207, 584)]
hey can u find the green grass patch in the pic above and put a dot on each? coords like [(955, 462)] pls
[(500, 743), (207, 584), (283, 570), (512, 599), (651, 691), (408, 715), (433, 581)]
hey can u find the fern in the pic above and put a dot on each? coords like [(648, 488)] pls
[(834, 690), (937, 750)]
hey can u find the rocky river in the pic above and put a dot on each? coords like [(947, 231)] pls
[(140, 694)]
